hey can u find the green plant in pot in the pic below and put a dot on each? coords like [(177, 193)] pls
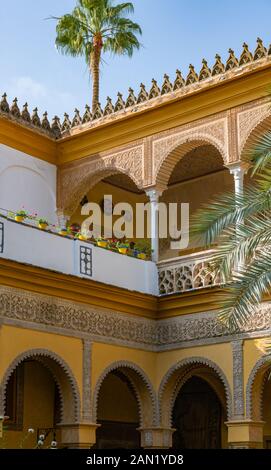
[(80, 236), (102, 242), (143, 249), (43, 224), (21, 215), (123, 247)]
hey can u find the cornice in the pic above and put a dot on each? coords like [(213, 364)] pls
[(27, 140)]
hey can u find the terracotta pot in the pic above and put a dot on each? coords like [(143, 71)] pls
[(102, 243), (123, 251)]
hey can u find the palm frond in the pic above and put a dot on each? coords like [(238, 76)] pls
[(227, 210), (245, 292)]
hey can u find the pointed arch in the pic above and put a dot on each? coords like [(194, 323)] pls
[(178, 149), (180, 373), (62, 374), (142, 386)]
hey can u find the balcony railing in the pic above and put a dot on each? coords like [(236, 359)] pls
[(186, 273), (28, 244)]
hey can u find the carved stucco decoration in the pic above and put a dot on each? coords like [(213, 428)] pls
[(77, 179), (255, 387), (63, 376), (168, 150), (178, 375), (141, 385), (247, 123), (86, 401), (238, 379), (57, 315)]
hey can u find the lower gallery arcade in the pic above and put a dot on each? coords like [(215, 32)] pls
[(132, 382)]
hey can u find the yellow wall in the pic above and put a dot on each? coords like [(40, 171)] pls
[(14, 341)]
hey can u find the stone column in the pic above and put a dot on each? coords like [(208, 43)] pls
[(245, 434), (238, 380), (238, 170), (154, 195), (79, 435), (86, 401), (156, 438)]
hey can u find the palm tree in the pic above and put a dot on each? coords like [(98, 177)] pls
[(97, 26), (240, 225)]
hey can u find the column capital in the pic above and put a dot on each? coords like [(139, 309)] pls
[(156, 437), (238, 168), (154, 193)]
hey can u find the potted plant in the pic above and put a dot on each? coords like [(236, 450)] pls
[(102, 242), (143, 250), (20, 216), (80, 236), (63, 231), (112, 245), (123, 247), (74, 228), (43, 224)]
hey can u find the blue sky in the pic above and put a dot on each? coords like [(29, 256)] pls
[(175, 34)]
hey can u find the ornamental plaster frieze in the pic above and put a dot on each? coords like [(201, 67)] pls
[(51, 314), (77, 179), (249, 119), (214, 132)]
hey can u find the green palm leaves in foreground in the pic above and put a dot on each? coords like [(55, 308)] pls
[(240, 226), (97, 26)]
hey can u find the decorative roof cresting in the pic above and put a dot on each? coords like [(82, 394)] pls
[(57, 129)]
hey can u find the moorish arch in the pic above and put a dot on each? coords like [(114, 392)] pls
[(141, 385), (255, 388), (75, 180), (180, 373), (62, 375), (166, 160), (253, 125)]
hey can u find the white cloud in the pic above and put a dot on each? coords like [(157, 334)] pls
[(37, 94), (26, 86)]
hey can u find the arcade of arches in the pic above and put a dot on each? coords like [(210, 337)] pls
[(95, 365)]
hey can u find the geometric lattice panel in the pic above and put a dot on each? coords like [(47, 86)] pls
[(86, 261)]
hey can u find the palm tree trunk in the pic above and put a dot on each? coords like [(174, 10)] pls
[(95, 59)]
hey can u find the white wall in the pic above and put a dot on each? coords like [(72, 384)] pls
[(27, 182), (32, 246)]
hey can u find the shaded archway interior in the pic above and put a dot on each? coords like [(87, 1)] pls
[(197, 178), (33, 400), (118, 413), (122, 189), (197, 416)]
